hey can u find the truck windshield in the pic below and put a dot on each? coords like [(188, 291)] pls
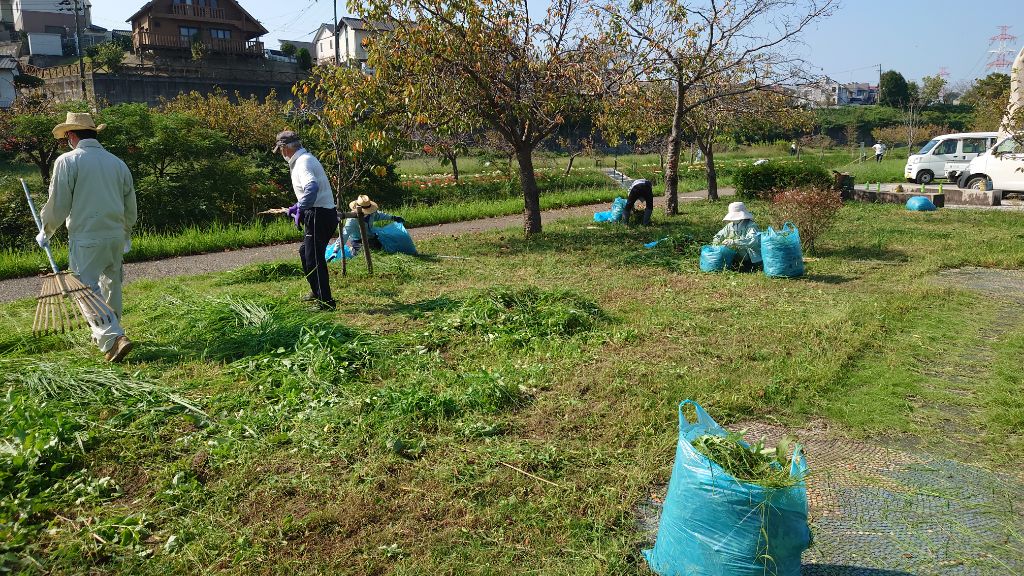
[(928, 147)]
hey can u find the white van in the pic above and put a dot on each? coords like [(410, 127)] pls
[(930, 162), (1003, 165)]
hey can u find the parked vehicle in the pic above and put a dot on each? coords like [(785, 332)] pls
[(946, 156), (1002, 165)]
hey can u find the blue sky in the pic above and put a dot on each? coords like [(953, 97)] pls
[(914, 37)]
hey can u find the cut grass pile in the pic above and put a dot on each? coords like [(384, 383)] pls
[(755, 463), (501, 412)]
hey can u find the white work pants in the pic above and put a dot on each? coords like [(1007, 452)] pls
[(97, 263)]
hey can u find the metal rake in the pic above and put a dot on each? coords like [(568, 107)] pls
[(64, 301)]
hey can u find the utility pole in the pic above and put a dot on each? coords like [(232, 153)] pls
[(878, 97), (73, 6), (337, 35)]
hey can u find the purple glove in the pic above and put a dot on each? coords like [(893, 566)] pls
[(296, 215)]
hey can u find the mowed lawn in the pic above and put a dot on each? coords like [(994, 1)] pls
[(495, 406)]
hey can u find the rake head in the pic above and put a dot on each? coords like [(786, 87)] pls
[(64, 302)]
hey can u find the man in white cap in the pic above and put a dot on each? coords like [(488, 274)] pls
[(315, 213), (742, 235), (93, 194)]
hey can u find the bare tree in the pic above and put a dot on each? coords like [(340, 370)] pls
[(692, 43)]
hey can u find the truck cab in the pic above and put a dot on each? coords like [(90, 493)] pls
[(946, 156), (1002, 165)]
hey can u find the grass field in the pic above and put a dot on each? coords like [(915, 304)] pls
[(497, 410)]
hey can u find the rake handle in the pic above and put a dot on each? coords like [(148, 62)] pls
[(39, 224)]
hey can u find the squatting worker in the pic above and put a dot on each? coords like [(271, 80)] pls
[(642, 190), (371, 214), (315, 213), (92, 193), (742, 235)]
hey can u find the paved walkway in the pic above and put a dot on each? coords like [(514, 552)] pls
[(229, 260)]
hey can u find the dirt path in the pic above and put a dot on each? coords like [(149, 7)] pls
[(229, 260)]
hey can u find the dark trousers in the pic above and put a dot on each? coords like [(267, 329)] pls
[(318, 225), (645, 193)]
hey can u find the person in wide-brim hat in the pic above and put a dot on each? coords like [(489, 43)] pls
[(363, 201), (371, 214), (76, 121), (742, 235)]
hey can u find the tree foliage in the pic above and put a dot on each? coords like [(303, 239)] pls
[(251, 124), (707, 52), (348, 119), (989, 97), (26, 130), (892, 88), (489, 63), (932, 88)]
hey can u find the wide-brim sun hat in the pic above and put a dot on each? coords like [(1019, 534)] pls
[(76, 121), (363, 201), (738, 211)]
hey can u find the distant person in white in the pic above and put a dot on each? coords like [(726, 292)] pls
[(879, 151)]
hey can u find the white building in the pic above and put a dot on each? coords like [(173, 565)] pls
[(353, 35)]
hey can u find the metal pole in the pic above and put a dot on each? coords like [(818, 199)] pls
[(337, 35), (78, 47)]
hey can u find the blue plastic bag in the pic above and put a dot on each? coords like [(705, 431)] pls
[(920, 204), (715, 525), (715, 258), (395, 238), (335, 249), (613, 215), (781, 253)]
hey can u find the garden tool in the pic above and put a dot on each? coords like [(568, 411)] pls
[(62, 290)]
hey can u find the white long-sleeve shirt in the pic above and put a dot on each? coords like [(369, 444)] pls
[(92, 192), (309, 181)]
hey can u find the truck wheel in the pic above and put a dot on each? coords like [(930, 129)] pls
[(925, 177), (976, 183)]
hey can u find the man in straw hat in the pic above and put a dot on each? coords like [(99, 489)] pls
[(92, 193), (315, 213), (371, 214), (742, 235)]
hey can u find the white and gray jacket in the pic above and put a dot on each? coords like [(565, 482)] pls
[(309, 181)]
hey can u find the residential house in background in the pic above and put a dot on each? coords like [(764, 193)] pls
[(352, 37), (323, 44), (48, 16), (828, 92), (173, 25), (8, 91)]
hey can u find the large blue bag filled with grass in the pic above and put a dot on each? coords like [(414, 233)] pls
[(394, 237), (714, 524), (613, 215), (715, 258), (781, 253), (920, 204)]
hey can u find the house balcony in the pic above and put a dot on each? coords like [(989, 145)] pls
[(198, 12), (151, 41)]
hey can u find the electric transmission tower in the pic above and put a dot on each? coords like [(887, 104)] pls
[(1004, 47)]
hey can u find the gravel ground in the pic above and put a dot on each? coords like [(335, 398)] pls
[(229, 260)]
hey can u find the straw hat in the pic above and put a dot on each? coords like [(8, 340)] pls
[(76, 121), (738, 211), (364, 202)]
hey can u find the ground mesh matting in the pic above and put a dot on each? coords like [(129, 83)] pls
[(881, 512)]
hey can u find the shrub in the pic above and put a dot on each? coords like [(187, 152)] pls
[(760, 181), (811, 209)]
